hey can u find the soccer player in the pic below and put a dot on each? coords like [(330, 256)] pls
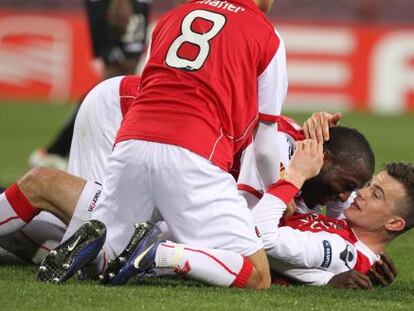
[(216, 71), (118, 30), (312, 248), (339, 180)]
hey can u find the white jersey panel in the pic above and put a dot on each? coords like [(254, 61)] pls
[(273, 84), (250, 182), (96, 125)]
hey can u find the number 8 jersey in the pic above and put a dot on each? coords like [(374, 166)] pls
[(215, 68)]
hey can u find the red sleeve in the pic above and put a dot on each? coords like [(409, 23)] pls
[(284, 190)]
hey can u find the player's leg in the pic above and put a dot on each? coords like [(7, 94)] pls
[(128, 190), (96, 125), (211, 266), (125, 188), (148, 253), (36, 239), (94, 133), (52, 190), (208, 210), (201, 204), (41, 189)]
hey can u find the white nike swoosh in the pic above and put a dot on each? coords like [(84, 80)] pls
[(72, 247), (138, 259)]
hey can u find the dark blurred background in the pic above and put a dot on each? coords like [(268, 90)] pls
[(366, 11)]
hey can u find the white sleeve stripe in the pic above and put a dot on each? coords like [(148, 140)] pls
[(272, 84)]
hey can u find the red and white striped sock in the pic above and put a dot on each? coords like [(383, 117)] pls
[(212, 266), (15, 210)]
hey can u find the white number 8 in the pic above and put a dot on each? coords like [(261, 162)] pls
[(201, 40)]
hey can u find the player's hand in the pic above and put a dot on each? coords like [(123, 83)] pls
[(317, 126), (383, 272), (119, 13), (306, 162), (290, 209), (352, 279)]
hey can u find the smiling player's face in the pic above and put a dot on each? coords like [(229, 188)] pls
[(375, 205)]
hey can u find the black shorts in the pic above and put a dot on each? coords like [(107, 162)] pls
[(115, 49)]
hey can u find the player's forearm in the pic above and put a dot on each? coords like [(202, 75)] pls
[(267, 152), (308, 276), (266, 216), (270, 209)]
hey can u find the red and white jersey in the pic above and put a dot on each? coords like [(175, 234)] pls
[(311, 248), (250, 183), (215, 68)]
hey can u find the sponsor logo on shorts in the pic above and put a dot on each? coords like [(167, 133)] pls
[(327, 254), (94, 200)]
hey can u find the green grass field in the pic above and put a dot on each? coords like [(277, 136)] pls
[(26, 127)]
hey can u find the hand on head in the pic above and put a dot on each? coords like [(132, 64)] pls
[(306, 162), (317, 126)]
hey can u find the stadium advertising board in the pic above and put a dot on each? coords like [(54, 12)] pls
[(44, 56), (350, 67), (47, 56)]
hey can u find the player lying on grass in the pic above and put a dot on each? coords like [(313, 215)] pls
[(95, 145), (340, 243)]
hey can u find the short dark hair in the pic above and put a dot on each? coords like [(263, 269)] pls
[(348, 146), (404, 173)]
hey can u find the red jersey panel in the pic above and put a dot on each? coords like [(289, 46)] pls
[(201, 86)]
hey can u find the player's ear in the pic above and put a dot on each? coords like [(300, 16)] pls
[(395, 224), (326, 156)]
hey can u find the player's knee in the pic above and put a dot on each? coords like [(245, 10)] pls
[(35, 176), (33, 183)]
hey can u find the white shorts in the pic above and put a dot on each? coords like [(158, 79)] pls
[(199, 201), (96, 125)]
